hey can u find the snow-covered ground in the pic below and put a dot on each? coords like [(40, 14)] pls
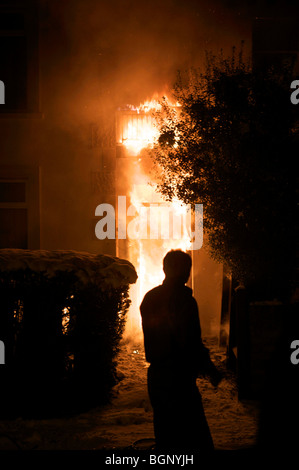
[(128, 418)]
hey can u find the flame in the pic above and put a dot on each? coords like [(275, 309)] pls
[(152, 251), (137, 131)]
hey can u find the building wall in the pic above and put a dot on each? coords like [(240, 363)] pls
[(57, 140)]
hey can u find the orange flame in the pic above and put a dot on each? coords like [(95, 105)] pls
[(136, 131)]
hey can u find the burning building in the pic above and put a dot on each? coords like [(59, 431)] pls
[(64, 149)]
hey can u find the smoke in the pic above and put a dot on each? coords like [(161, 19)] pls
[(125, 52)]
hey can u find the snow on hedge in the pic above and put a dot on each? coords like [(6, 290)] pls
[(102, 270)]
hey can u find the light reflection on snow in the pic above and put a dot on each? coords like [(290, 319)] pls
[(65, 320)]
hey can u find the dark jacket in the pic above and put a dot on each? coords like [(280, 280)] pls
[(172, 332)]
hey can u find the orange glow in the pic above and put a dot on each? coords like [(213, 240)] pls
[(136, 131), (152, 251)]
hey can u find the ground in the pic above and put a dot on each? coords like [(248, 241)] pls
[(127, 420)]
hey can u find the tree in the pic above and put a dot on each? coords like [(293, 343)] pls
[(231, 145)]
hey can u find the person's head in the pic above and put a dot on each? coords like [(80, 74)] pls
[(177, 265)]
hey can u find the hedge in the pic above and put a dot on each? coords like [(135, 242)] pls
[(62, 315)]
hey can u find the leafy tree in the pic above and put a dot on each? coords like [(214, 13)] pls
[(231, 145)]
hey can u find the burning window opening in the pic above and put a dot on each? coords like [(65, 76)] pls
[(135, 126), (136, 131)]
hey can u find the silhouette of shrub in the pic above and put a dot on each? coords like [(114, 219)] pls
[(61, 330)]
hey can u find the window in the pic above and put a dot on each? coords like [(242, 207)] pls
[(19, 56), (13, 214), (19, 207)]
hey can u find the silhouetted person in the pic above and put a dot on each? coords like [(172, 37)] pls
[(177, 356)]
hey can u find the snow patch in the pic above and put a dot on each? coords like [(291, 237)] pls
[(102, 270)]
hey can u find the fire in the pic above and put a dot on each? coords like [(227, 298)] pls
[(136, 131), (151, 251)]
